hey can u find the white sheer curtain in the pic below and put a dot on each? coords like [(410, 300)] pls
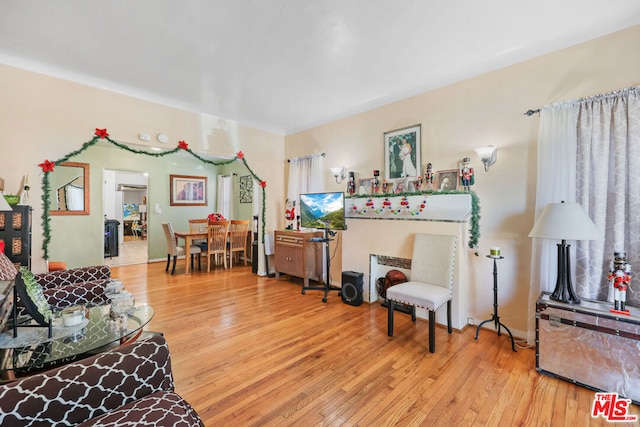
[(589, 152), (75, 198), (305, 176), (557, 140), (226, 200)]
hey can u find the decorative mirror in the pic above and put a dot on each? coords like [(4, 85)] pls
[(69, 184)]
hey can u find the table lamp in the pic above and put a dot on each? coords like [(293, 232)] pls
[(4, 205), (564, 221)]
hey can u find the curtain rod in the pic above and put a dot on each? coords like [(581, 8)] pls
[(590, 98), (302, 157)]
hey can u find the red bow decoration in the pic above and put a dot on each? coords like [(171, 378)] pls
[(47, 166), (1, 246), (183, 145), (240, 155), (102, 133), (263, 184)]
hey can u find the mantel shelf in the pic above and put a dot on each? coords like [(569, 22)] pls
[(420, 207)]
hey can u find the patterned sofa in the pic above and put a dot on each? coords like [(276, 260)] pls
[(83, 285), (131, 385)]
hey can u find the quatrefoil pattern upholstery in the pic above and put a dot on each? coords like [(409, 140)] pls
[(129, 386), (8, 271), (83, 285)]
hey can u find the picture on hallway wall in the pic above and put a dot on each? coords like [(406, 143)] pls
[(402, 153), (188, 190), (246, 189)]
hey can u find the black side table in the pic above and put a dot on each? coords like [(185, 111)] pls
[(494, 317)]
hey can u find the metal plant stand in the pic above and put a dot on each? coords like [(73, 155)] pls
[(494, 317)]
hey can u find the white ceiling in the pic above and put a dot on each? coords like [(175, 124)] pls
[(288, 65)]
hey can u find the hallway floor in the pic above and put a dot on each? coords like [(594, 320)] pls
[(132, 251)]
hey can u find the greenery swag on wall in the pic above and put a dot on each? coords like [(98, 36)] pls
[(101, 134)]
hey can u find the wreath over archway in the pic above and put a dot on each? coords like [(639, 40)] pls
[(102, 134)]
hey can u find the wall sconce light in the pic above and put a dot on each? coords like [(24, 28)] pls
[(488, 155), (339, 172)]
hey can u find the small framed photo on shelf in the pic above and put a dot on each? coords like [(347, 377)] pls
[(188, 190), (387, 187), (400, 185), (402, 153), (365, 186), (447, 180)]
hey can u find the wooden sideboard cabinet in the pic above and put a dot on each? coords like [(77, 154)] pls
[(296, 256)]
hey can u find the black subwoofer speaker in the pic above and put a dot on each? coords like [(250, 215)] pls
[(352, 287)]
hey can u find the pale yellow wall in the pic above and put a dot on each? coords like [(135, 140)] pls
[(46, 118), (484, 110)]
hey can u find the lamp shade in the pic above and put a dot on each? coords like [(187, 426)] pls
[(565, 221), (4, 205), (338, 171)]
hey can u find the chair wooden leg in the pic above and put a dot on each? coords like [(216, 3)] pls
[(168, 262), (391, 309), (175, 260), (449, 316), (432, 331)]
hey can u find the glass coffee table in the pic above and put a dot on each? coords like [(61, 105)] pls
[(32, 350)]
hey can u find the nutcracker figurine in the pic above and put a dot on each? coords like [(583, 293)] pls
[(290, 213), (375, 185), (351, 184), (466, 174), (417, 185), (620, 278), (428, 177)]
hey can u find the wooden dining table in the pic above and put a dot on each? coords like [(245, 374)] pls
[(189, 237)]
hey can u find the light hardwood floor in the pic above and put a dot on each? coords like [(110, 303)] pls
[(249, 350)]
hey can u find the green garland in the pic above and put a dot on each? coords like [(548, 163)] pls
[(101, 134), (474, 222)]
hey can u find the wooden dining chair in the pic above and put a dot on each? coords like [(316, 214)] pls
[(199, 226), (238, 230), (217, 241)]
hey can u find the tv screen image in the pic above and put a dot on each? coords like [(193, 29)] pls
[(323, 211)]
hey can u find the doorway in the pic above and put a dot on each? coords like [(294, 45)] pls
[(125, 201)]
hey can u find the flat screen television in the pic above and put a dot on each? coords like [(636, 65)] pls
[(323, 211)]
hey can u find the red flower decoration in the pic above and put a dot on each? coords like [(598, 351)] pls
[(102, 133), (263, 184), (240, 155), (47, 166), (183, 145), (215, 217)]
